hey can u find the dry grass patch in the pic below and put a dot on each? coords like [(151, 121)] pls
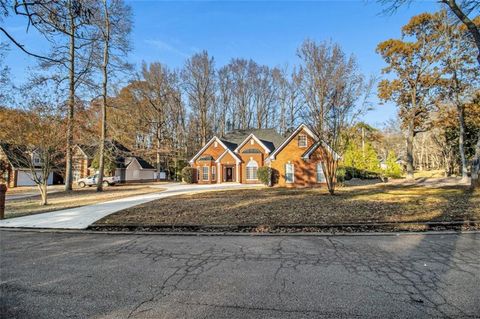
[(78, 197), (279, 206)]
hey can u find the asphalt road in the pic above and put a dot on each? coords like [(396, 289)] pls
[(58, 275)]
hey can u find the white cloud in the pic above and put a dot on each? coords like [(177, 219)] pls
[(166, 47)]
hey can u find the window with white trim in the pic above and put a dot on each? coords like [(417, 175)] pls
[(289, 173), (320, 174), (214, 173), (302, 140), (252, 141), (252, 168), (205, 173)]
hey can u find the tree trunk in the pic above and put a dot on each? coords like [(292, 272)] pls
[(159, 164), (475, 183), (43, 192), (103, 132), (71, 107), (410, 136), (330, 171), (461, 143)]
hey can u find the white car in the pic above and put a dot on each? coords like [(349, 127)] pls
[(92, 180)]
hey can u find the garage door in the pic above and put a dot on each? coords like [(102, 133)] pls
[(24, 179)]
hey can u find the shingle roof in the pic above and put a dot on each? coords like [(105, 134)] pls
[(143, 163), (16, 155), (89, 150), (122, 155), (269, 137)]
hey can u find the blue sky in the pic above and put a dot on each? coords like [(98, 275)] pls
[(269, 32)]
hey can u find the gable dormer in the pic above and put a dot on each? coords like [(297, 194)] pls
[(252, 144), (297, 143)]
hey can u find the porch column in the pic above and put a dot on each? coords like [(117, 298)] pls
[(219, 178), (237, 173)]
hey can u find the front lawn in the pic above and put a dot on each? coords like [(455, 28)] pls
[(279, 206), (78, 197)]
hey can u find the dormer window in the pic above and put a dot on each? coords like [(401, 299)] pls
[(302, 140)]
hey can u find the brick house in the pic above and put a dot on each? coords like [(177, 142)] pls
[(237, 156), (16, 170)]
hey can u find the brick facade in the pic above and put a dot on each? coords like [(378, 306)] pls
[(305, 171), (230, 160)]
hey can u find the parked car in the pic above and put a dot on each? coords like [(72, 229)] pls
[(92, 180)]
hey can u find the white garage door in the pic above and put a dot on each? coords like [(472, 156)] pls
[(24, 179)]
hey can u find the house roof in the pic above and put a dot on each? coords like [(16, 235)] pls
[(315, 146), (269, 137), (121, 154), (143, 163), (16, 155), (88, 150)]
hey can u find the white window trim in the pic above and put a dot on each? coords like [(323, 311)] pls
[(253, 166), (323, 173), (306, 140), (203, 173), (293, 174)]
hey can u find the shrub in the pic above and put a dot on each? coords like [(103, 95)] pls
[(341, 175), (268, 176), (264, 175), (393, 170), (187, 174)]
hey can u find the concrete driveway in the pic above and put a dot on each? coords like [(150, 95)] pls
[(60, 275), (82, 217)]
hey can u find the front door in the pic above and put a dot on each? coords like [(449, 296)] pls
[(229, 174)]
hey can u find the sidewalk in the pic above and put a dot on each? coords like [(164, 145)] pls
[(82, 217)]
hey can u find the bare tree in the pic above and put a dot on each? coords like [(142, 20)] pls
[(332, 87), (224, 98), (264, 96), (242, 92), (5, 83), (114, 26), (66, 24), (288, 98), (199, 82), (460, 75)]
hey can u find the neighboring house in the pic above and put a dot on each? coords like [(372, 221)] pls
[(136, 170), (237, 156), (82, 157), (18, 171), (128, 168)]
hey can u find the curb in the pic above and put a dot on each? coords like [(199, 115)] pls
[(236, 234), (294, 228)]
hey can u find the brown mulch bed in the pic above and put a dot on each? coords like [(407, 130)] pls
[(259, 209)]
